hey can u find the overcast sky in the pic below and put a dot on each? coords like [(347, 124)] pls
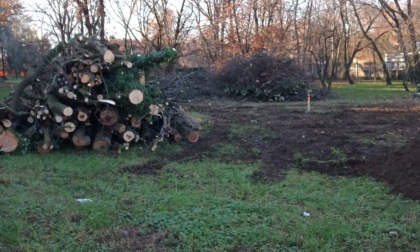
[(113, 28)]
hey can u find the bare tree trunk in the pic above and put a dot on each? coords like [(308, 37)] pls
[(373, 44)]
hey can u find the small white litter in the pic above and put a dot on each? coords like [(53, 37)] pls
[(83, 200), (306, 214)]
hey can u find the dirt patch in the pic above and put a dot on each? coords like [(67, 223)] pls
[(344, 140), (135, 239)]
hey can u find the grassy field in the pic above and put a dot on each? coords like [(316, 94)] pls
[(369, 92), (82, 201)]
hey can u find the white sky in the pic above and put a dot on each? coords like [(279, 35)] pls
[(112, 28)]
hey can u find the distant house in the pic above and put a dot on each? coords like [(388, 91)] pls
[(395, 61)]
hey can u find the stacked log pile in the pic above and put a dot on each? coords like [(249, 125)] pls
[(89, 95)]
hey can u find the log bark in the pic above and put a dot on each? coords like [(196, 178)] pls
[(187, 133), (31, 131), (57, 107), (46, 146), (174, 134)]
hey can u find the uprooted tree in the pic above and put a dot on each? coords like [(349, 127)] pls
[(88, 94)]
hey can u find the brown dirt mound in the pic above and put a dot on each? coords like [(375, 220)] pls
[(401, 170), (344, 140)]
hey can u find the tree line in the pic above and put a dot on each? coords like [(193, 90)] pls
[(324, 36)]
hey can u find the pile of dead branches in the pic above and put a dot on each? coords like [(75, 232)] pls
[(90, 95), (264, 77)]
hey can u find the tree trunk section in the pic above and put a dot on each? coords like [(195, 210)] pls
[(8, 142), (80, 139), (102, 141)]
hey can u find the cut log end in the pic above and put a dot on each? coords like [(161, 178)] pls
[(109, 117), (43, 149), (192, 137), (69, 127), (6, 123), (67, 111), (135, 96), (102, 141), (8, 142), (109, 56), (129, 136)]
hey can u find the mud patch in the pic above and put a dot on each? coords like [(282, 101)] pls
[(133, 239), (344, 140)]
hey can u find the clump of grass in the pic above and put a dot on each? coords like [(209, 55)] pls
[(249, 131), (335, 156)]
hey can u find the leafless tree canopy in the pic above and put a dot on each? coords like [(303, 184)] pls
[(329, 38)]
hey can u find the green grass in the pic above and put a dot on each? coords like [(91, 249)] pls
[(369, 92), (194, 206), (12, 79)]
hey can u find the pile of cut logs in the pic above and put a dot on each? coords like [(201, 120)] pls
[(90, 95)]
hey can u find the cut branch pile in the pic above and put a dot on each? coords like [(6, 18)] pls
[(87, 94)]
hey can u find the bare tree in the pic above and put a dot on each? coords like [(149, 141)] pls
[(60, 16), (325, 39), (372, 41), (353, 41), (91, 15), (402, 22)]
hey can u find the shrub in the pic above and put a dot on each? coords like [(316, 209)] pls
[(264, 77)]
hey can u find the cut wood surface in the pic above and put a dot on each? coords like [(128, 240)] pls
[(80, 138), (82, 114), (69, 127), (119, 128), (135, 96), (129, 135), (109, 116), (102, 141), (6, 123), (8, 142)]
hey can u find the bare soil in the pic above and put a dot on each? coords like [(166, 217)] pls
[(380, 141)]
